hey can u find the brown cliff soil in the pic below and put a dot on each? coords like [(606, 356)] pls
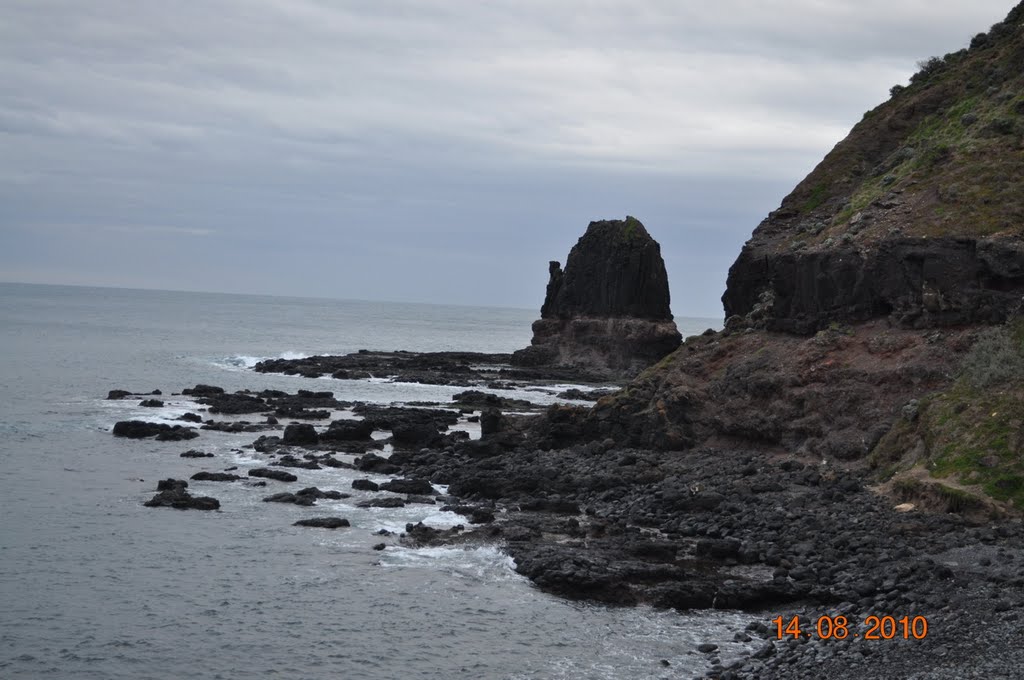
[(880, 400)]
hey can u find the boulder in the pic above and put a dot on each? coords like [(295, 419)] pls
[(279, 475), (365, 485), (411, 486), (323, 522), (300, 434), (172, 493), (138, 429), (203, 391), (214, 477), (348, 430)]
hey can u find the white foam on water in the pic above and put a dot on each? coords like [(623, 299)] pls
[(477, 562), (245, 362)]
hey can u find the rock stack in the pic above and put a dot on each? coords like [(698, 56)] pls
[(608, 311)]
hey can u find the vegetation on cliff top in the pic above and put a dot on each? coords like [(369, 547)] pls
[(944, 156)]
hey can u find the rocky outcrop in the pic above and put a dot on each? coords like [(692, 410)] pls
[(915, 282), (609, 309)]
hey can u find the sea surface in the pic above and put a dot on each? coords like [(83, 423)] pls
[(94, 585)]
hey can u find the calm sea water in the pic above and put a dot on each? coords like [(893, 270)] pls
[(94, 585)]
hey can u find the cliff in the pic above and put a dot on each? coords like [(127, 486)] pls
[(872, 320), (608, 311), (917, 215)]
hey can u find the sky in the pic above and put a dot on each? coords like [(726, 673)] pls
[(424, 150)]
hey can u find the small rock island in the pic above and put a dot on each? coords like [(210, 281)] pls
[(608, 310)]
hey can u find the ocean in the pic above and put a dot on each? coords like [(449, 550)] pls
[(94, 585)]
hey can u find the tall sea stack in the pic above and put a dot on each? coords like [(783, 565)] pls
[(608, 310)]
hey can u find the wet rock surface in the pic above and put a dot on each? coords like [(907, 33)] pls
[(137, 429), (754, 530), (173, 493)]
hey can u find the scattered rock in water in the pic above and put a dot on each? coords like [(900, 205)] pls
[(420, 534), (286, 497), (151, 403), (415, 435), (288, 460), (365, 485), (307, 496), (173, 493), (419, 487), (214, 477), (234, 404), (300, 434), (118, 394), (203, 391), (323, 522), (348, 430), (266, 443), (481, 400), (190, 418), (371, 462), (170, 484), (279, 475), (196, 454), (577, 394), (380, 546), (390, 502), (138, 429), (292, 411)]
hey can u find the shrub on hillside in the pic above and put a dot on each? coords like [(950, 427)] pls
[(997, 357)]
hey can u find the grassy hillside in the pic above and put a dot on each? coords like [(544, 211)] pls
[(944, 156)]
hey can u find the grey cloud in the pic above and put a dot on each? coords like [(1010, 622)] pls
[(399, 149)]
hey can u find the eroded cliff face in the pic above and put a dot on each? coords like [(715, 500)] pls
[(918, 215), (608, 310)]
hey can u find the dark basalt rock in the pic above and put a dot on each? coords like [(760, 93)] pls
[(266, 443), (151, 403), (389, 502), (214, 477), (196, 454), (279, 475), (171, 484), (609, 309), (203, 391), (137, 429), (300, 434), (118, 394), (478, 399), (323, 522), (916, 282), (234, 404), (348, 430), (285, 497), (412, 486), (371, 462), (172, 493), (365, 485), (614, 270), (190, 418), (415, 435), (293, 462)]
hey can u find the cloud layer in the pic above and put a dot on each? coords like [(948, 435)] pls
[(426, 151)]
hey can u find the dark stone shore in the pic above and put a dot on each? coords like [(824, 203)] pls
[(709, 527)]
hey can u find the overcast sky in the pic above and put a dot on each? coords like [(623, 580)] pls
[(422, 150)]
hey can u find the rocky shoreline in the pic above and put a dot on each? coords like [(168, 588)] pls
[(709, 527)]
